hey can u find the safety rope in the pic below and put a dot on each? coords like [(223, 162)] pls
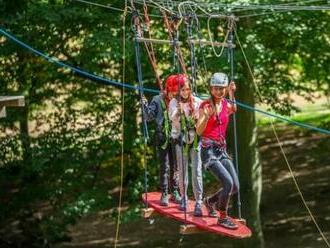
[(231, 27), (283, 152), (107, 82), (123, 127), (111, 82), (152, 59), (201, 48), (150, 48), (172, 30), (193, 64), (211, 37), (184, 154), (136, 26)]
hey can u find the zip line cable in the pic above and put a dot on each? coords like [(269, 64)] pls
[(285, 157), (233, 8), (122, 126), (279, 8), (102, 5), (106, 81), (241, 7)]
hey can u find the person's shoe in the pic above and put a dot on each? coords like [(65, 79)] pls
[(183, 205), (226, 222), (210, 208), (198, 210), (164, 199), (176, 197)]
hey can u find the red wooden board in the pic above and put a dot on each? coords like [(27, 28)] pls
[(204, 223)]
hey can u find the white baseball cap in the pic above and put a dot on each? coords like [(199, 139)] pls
[(219, 79)]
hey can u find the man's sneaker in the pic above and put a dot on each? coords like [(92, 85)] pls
[(227, 223), (183, 205), (198, 210), (210, 208), (164, 199), (176, 197)]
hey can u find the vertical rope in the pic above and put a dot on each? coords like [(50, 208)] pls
[(231, 59), (193, 64), (123, 127), (297, 186), (139, 75), (283, 153)]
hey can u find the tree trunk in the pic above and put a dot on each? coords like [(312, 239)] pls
[(249, 166), (24, 133)]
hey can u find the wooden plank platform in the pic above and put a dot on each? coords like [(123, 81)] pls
[(10, 101), (192, 223), (209, 43), (156, 41)]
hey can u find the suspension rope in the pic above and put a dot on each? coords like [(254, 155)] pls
[(105, 81), (233, 8), (201, 50), (172, 30), (135, 22), (231, 27), (122, 126), (189, 23), (298, 188), (102, 5), (150, 48), (211, 38), (285, 157), (236, 8)]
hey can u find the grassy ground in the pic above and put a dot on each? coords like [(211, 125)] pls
[(286, 223)]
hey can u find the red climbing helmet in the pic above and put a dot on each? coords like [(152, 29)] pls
[(180, 80), (171, 84)]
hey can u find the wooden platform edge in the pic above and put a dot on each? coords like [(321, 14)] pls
[(242, 221), (12, 101), (190, 229), (148, 212)]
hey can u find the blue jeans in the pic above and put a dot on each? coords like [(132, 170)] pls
[(216, 160)]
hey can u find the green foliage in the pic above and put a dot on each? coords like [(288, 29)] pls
[(60, 155)]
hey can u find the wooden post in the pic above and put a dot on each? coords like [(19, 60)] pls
[(169, 42), (2, 112), (10, 101), (210, 43)]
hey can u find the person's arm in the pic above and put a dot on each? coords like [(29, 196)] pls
[(232, 107), (173, 110), (204, 115), (150, 110)]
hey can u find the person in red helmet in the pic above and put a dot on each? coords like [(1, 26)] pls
[(183, 112), (157, 110)]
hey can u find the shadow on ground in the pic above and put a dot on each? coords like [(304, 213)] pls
[(286, 223)]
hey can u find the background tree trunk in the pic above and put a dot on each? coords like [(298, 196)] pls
[(249, 166)]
